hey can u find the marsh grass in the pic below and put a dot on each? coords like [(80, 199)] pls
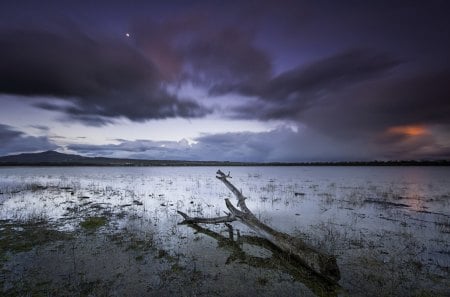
[(22, 237), (443, 225), (93, 223)]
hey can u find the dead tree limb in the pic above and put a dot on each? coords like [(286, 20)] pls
[(190, 220), (319, 262)]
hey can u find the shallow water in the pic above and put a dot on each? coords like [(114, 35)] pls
[(389, 228)]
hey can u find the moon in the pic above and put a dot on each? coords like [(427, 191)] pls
[(127, 34)]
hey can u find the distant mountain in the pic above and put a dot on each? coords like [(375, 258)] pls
[(52, 158), (44, 157)]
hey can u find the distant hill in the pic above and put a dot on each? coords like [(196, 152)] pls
[(52, 158), (47, 157)]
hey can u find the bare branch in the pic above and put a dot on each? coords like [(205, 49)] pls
[(319, 262), (233, 210), (197, 220), (241, 199)]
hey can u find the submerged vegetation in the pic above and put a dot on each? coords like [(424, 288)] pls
[(103, 231), (93, 223), (24, 236)]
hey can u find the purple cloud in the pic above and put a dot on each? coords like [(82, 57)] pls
[(14, 141)]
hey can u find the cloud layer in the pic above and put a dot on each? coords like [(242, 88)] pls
[(278, 145), (14, 141), (354, 78), (95, 75)]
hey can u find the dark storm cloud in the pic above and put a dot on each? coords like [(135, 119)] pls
[(375, 106), (7, 133), (14, 141), (225, 59), (421, 101), (371, 111), (422, 98), (99, 76), (360, 94), (347, 71), (330, 74), (401, 146), (195, 48), (104, 78), (355, 97), (292, 92)]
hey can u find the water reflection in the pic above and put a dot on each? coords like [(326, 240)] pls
[(277, 260)]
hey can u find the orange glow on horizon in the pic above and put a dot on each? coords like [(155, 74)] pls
[(410, 130)]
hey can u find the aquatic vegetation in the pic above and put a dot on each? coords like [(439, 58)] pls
[(93, 223)]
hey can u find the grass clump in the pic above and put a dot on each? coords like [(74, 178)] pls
[(262, 281), (16, 237), (93, 223)]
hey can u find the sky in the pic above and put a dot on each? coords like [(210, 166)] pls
[(264, 81)]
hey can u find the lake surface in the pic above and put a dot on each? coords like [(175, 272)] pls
[(389, 228)]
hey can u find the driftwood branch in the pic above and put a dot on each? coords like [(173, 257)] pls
[(189, 220), (319, 262)]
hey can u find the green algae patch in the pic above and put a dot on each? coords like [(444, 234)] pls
[(93, 223), (22, 237)]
